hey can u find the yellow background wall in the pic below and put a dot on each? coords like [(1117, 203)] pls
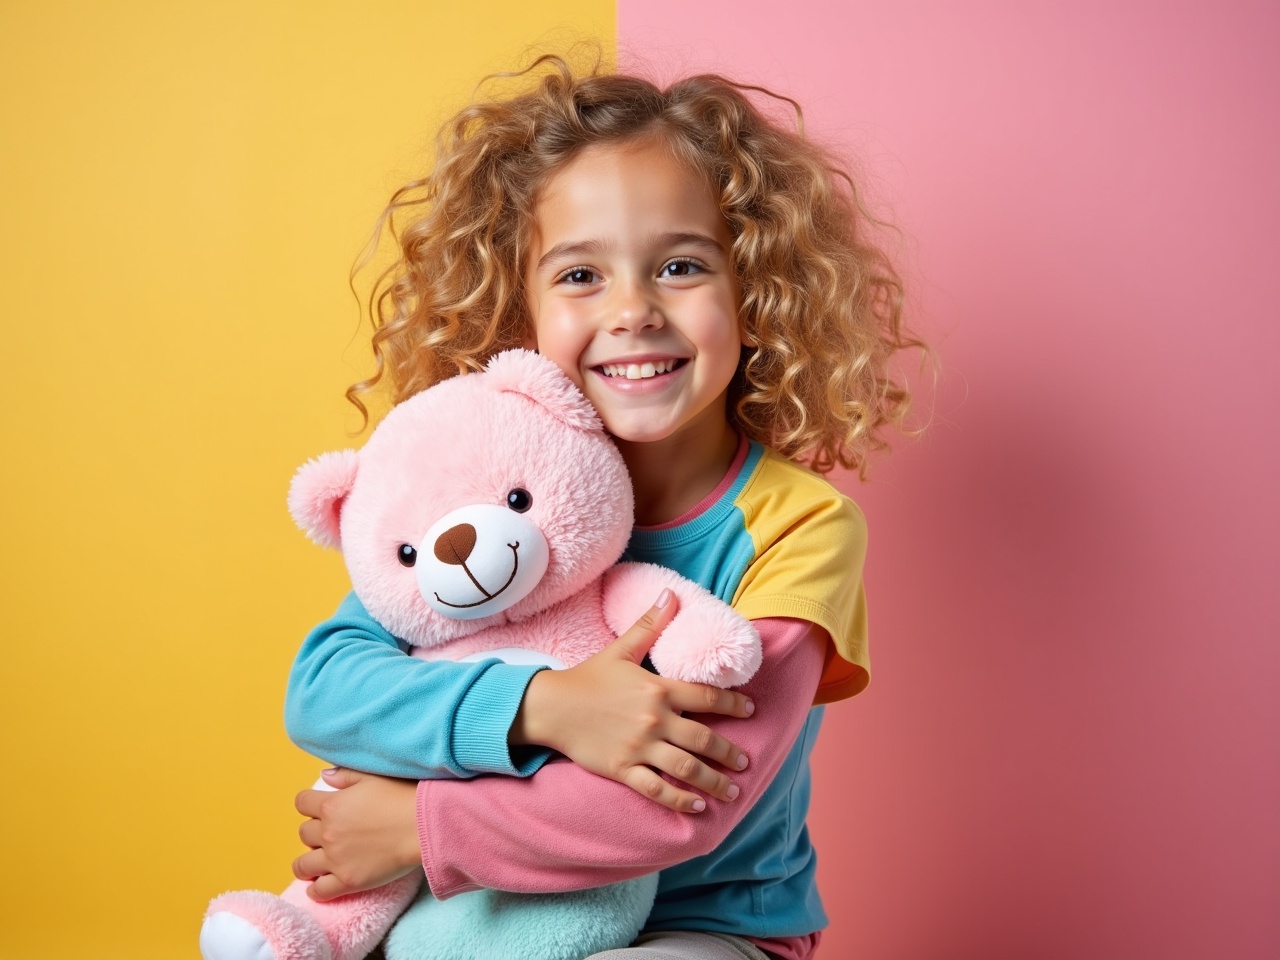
[(183, 189)]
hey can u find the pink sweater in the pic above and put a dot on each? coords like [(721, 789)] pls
[(567, 829)]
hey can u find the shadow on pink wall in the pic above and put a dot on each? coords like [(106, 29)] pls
[(1070, 745)]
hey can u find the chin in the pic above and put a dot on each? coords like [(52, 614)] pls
[(635, 433)]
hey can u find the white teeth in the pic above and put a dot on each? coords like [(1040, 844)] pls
[(638, 371)]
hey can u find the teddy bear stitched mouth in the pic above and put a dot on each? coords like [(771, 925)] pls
[(454, 546)]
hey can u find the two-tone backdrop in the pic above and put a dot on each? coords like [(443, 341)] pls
[(1069, 748)]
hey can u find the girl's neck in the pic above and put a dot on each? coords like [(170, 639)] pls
[(672, 476)]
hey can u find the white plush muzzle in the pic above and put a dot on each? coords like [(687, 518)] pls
[(479, 560)]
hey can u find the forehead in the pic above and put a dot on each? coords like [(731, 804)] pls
[(615, 192)]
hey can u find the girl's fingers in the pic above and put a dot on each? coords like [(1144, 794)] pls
[(309, 833), (700, 698), (634, 644), (308, 802), (327, 887), (689, 769), (339, 778), (702, 741), (648, 784), (310, 865)]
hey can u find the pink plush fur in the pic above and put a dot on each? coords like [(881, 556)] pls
[(543, 383), (705, 643), (298, 928), (468, 440), (289, 932), (316, 495)]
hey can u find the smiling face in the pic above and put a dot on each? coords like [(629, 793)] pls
[(632, 293)]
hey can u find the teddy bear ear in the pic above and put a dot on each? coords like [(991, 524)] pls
[(317, 492), (536, 377)]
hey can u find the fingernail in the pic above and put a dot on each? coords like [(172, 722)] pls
[(750, 708), (741, 762), (328, 771), (699, 806), (732, 792), (663, 599)]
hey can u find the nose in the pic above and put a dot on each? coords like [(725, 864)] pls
[(455, 544), (635, 308)]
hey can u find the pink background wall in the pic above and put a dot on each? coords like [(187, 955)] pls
[(1070, 745)]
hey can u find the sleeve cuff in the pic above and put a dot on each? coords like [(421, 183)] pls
[(483, 722)]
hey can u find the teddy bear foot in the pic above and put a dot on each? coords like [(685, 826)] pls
[(252, 925)]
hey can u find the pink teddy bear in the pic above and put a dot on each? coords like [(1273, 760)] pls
[(484, 518)]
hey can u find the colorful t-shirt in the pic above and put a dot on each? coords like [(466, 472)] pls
[(776, 541), (787, 549)]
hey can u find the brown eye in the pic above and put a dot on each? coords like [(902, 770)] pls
[(407, 555), (519, 500), (680, 268)]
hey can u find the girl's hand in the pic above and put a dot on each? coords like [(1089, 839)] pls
[(613, 717), (363, 835)]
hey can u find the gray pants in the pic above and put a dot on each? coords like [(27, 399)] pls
[(682, 945)]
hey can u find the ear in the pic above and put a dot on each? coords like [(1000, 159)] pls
[(317, 493), (536, 377)]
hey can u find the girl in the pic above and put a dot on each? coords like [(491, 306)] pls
[(706, 278)]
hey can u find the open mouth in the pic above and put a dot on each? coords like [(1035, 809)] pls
[(641, 371)]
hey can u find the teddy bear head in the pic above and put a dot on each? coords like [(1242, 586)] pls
[(484, 499)]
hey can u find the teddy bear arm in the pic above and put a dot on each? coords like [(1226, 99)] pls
[(706, 642)]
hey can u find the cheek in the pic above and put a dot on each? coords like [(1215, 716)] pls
[(559, 337), (721, 338), (716, 322)]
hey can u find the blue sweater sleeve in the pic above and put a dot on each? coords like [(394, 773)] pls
[(357, 699)]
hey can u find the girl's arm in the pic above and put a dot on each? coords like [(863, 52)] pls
[(357, 699), (567, 830), (617, 719), (563, 829)]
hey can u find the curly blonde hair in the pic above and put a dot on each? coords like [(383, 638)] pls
[(820, 301)]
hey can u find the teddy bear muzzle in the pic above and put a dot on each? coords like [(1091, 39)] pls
[(480, 560)]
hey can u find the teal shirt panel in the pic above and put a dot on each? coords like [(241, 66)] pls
[(713, 549), (761, 880)]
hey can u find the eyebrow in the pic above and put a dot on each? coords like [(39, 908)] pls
[(572, 249)]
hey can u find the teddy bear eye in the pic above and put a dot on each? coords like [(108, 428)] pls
[(519, 500), (407, 555)]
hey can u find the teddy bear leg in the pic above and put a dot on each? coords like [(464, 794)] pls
[(255, 925), (252, 925), (355, 924)]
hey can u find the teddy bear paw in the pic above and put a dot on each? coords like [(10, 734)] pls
[(251, 925), (225, 936)]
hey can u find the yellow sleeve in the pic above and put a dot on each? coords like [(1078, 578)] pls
[(810, 542)]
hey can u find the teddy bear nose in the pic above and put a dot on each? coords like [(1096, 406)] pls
[(455, 544)]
